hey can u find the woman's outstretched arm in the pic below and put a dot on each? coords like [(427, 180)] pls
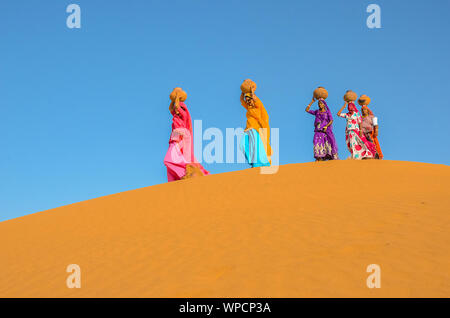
[(340, 110), (309, 106)]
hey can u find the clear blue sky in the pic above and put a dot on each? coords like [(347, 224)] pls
[(84, 113)]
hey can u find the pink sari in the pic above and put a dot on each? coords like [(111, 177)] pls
[(181, 145)]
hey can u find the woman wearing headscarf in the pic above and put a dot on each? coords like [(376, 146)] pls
[(256, 140), (180, 160), (358, 145), (369, 124), (325, 147)]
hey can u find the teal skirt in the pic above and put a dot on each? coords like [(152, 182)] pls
[(253, 148)]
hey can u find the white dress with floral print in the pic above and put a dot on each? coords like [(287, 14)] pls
[(356, 146)]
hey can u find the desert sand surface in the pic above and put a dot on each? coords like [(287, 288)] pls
[(309, 230)]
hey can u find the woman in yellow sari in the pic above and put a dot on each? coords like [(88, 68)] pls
[(257, 117)]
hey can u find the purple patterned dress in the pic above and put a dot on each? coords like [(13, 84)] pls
[(325, 147)]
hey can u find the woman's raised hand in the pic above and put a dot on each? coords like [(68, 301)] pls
[(342, 108)]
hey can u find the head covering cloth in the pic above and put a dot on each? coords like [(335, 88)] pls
[(368, 109), (352, 108)]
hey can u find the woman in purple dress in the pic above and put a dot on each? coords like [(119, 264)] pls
[(325, 147)]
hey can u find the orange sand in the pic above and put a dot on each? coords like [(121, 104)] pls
[(286, 241)]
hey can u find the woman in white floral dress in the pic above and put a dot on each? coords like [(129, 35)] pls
[(358, 145)]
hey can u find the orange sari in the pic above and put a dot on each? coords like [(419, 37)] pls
[(258, 119), (372, 133), (377, 145)]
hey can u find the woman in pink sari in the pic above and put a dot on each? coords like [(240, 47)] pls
[(180, 160), (357, 143)]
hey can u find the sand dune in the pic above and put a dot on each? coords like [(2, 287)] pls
[(308, 231)]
